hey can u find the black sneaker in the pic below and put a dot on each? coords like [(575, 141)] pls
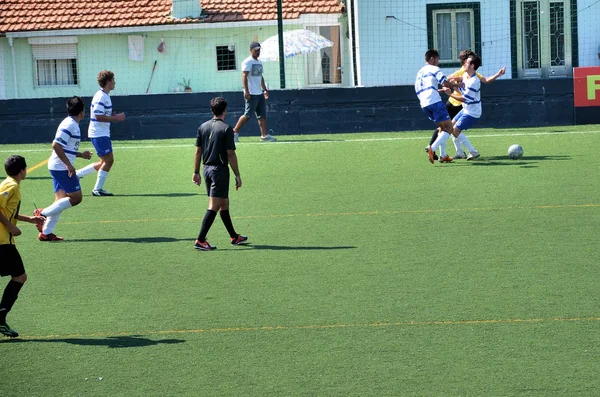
[(204, 246), (100, 193), (239, 240), (8, 331)]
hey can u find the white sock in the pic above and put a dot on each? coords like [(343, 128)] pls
[(443, 149), (88, 169), (464, 141), (102, 175), (50, 224), (457, 146), (442, 137), (57, 207)]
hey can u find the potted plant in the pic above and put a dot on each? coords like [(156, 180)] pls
[(186, 85)]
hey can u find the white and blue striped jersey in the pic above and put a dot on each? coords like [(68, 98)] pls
[(426, 85), (101, 105), (69, 137), (472, 95)]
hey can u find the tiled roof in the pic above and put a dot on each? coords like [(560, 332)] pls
[(28, 15)]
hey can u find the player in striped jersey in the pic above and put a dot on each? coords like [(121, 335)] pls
[(65, 148), (429, 78), (454, 106), (470, 98), (101, 115)]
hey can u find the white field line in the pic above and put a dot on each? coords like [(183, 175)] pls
[(361, 140)]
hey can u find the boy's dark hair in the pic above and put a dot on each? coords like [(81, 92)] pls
[(218, 105), (476, 61), (75, 106), (104, 77), (464, 54), (431, 54), (14, 164)]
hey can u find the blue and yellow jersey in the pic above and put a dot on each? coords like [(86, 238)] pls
[(10, 201), (460, 72)]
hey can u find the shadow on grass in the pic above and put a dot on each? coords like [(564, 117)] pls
[(525, 162), (141, 240), (172, 195), (296, 248), (112, 342)]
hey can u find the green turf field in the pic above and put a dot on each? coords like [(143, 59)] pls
[(370, 272)]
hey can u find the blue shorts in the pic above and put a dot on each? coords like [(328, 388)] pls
[(436, 112), (62, 181), (463, 121), (103, 145)]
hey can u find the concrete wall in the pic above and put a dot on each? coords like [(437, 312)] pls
[(508, 103)]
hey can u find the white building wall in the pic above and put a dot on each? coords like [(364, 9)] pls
[(588, 19), (393, 39)]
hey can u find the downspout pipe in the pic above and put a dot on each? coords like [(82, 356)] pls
[(14, 65)]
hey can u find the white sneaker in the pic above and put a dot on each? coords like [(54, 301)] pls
[(236, 137), (473, 155), (459, 156), (268, 138)]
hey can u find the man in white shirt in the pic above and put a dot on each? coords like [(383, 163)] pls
[(101, 115), (255, 94), (65, 149), (429, 78)]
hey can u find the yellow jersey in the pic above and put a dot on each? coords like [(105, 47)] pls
[(460, 72), (10, 201)]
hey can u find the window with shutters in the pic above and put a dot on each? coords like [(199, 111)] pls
[(55, 61)]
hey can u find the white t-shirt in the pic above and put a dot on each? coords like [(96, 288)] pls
[(69, 137), (426, 85), (101, 105), (472, 95), (254, 68)]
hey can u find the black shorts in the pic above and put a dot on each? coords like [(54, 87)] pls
[(453, 110), (11, 263), (216, 179)]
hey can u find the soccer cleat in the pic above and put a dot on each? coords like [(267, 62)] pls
[(435, 156), (459, 156), (100, 193), (204, 246), (446, 159), (431, 155), (38, 212), (268, 138), (239, 240), (473, 155), (6, 330), (236, 138), (49, 237)]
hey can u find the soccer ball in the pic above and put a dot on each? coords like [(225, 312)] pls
[(515, 152)]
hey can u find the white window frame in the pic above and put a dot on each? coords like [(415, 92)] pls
[(546, 70), (454, 50), (54, 49), (306, 71)]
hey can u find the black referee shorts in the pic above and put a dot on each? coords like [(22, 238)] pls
[(216, 179), (11, 263)]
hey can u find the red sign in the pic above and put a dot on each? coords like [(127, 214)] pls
[(586, 85)]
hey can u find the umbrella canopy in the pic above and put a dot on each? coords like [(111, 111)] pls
[(295, 42)]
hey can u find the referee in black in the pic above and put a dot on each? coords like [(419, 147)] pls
[(216, 149)]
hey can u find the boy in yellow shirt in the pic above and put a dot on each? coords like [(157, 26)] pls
[(11, 262)]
